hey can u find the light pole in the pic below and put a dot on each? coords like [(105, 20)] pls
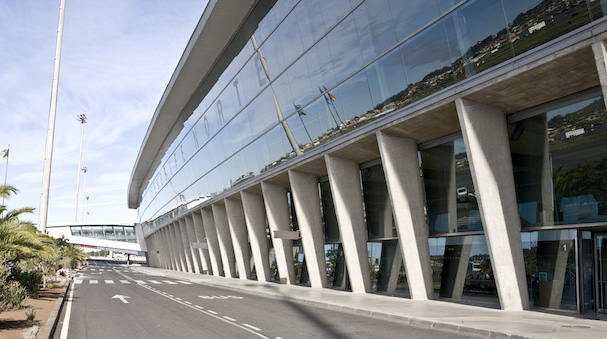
[(50, 138), (84, 192), (82, 119)]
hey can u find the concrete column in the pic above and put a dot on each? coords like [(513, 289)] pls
[(205, 261), (240, 241), (211, 233), (178, 246), (168, 248), (191, 236), (344, 177), (600, 57), (255, 216), (304, 188), (487, 145), (277, 209), (401, 168), (173, 246), (163, 255), (225, 240), (187, 245)]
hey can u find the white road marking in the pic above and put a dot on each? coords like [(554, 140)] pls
[(178, 298), (230, 319), (212, 312), (252, 327), (184, 282), (155, 282), (141, 282), (92, 281), (198, 306), (125, 281), (187, 302), (109, 281), (68, 313), (169, 282), (78, 282)]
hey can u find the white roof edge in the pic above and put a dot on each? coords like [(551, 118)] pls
[(203, 50)]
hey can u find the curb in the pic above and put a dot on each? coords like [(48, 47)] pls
[(53, 319)]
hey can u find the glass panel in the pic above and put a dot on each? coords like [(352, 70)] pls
[(386, 267), (76, 230), (345, 48), (461, 268), (119, 230), (534, 22), (550, 268), (387, 82), (336, 266), (450, 198), (559, 160), (587, 272), (97, 232), (375, 33), (108, 232), (380, 221), (409, 16), (328, 213)]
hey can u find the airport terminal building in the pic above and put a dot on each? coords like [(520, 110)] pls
[(442, 149)]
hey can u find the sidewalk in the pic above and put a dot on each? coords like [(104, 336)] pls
[(429, 314)]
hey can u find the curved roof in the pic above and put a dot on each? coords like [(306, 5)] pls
[(219, 24)]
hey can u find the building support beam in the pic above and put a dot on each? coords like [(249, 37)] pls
[(401, 168), (187, 247), (600, 57), (225, 240), (304, 188), (255, 217), (201, 238), (486, 137), (344, 177), (277, 210), (176, 248), (213, 243), (240, 242), (191, 236)]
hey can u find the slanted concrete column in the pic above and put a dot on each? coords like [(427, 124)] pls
[(211, 233), (194, 253), (201, 238), (187, 246), (180, 251), (174, 247), (344, 177), (255, 217), (401, 168), (487, 145), (600, 57), (304, 188), (240, 241), (277, 209), (225, 240), (171, 263), (164, 252)]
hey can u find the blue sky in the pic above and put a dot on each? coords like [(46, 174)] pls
[(117, 59)]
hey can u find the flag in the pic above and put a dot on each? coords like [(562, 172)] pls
[(300, 111), (330, 95), (4, 153)]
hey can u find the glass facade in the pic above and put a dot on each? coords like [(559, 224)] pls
[(333, 67), (108, 232)]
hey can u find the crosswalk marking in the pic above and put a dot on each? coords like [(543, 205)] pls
[(83, 280), (141, 282), (78, 281), (184, 282), (125, 281), (92, 281), (169, 282), (155, 282), (109, 281)]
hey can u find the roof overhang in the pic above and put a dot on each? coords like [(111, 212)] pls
[(219, 24)]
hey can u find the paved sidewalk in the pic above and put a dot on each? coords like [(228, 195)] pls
[(430, 314)]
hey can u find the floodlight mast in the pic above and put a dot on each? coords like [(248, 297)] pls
[(48, 159), (82, 119)]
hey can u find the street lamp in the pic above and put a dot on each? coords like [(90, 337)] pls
[(82, 119), (84, 192)]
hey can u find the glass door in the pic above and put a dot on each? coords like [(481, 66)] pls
[(601, 271)]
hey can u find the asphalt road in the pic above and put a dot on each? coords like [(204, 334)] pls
[(114, 301)]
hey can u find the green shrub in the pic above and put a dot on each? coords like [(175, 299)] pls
[(12, 293), (30, 280)]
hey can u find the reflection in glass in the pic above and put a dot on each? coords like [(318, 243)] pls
[(550, 268), (386, 267), (559, 160), (450, 198), (378, 211), (461, 268)]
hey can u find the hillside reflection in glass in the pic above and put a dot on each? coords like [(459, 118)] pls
[(325, 68)]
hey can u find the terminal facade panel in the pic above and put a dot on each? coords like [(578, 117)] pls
[(450, 150)]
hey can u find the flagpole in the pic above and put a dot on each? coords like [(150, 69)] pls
[(8, 154), (48, 159)]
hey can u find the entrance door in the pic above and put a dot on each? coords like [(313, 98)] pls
[(601, 271)]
